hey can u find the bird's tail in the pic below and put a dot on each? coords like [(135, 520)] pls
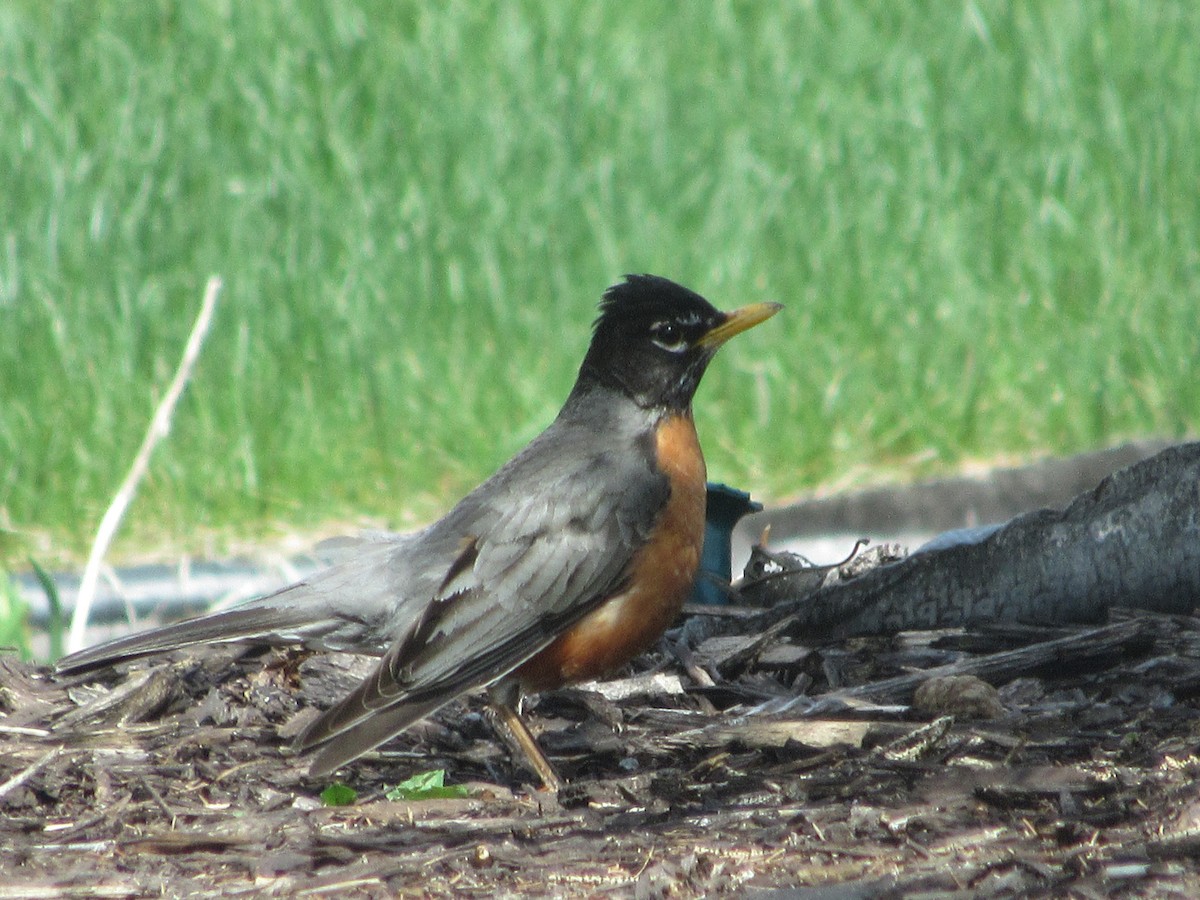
[(267, 625), (336, 745)]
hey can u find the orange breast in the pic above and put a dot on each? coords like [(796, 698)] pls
[(660, 578)]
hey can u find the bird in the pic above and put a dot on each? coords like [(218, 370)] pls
[(574, 557)]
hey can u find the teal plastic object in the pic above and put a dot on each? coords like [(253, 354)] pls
[(726, 506)]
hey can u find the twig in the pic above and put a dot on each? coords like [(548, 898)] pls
[(160, 426), (25, 774), (1073, 650), (804, 570)]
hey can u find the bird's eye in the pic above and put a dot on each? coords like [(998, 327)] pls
[(669, 336)]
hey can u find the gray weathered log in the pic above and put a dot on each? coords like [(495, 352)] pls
[(1132, 541)]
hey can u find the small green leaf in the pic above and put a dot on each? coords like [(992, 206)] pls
[(338, 794), (427, 786)]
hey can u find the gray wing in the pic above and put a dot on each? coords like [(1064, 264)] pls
[(538, 547)]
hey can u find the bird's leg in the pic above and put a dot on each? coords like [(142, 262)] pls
[(511, 728)]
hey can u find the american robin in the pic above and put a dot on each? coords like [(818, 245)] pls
[(569, 561)]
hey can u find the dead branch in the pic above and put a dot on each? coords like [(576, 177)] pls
[(1132, 541), (160, 427)]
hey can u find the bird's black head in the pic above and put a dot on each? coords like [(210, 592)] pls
[(654, 339)]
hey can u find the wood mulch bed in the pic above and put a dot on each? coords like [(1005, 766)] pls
[(724, 763)]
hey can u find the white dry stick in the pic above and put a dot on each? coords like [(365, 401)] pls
[(25, 774), (160, 426)]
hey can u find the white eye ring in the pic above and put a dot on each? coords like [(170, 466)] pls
[(677, 347), (671, 341)]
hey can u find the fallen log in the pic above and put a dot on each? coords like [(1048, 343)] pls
[(1132, 541)]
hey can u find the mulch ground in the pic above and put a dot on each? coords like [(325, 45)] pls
[(738, 765)]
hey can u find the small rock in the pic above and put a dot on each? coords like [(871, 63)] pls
[(961, 696)]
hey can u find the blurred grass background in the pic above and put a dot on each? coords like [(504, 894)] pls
[(983, 217)]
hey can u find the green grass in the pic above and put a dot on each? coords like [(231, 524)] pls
[(983, 218), (14, 619)]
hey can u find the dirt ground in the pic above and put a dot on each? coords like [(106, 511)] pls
[(698, 774)]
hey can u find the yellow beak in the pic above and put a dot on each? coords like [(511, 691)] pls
[(738, 321)]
